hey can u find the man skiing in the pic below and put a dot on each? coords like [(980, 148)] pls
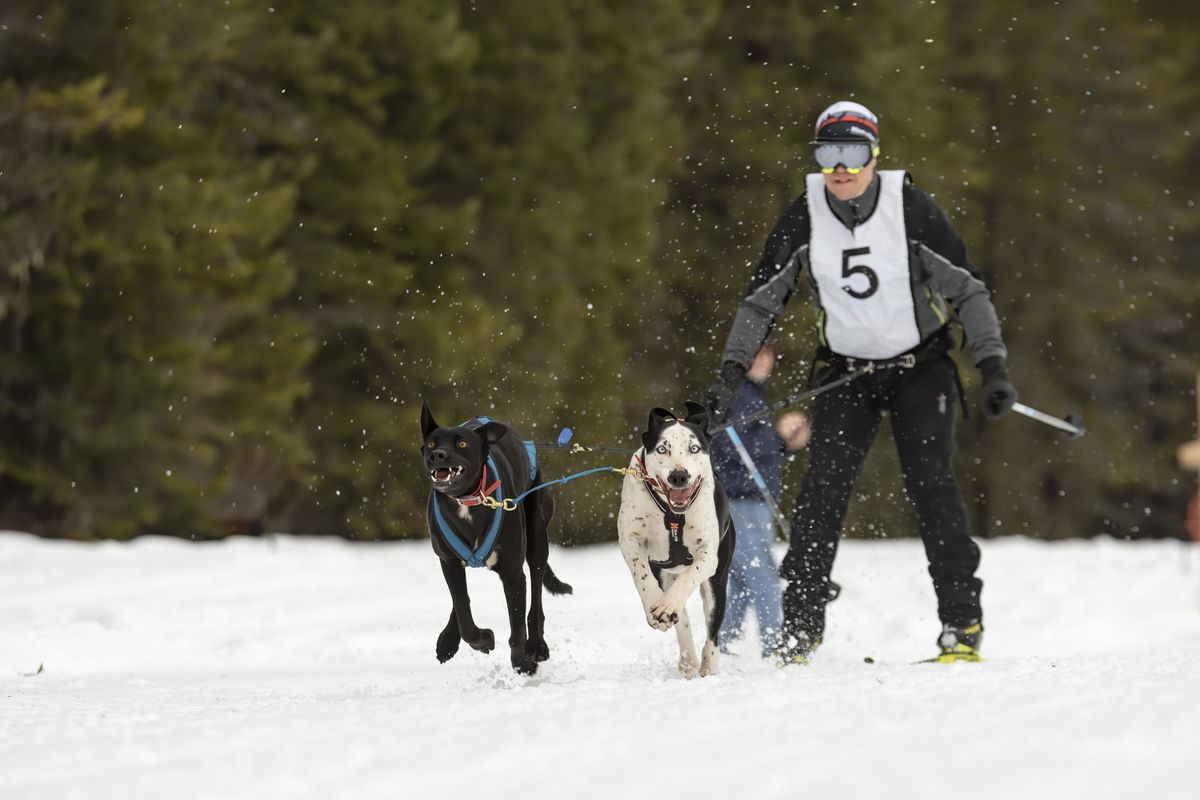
[(886, 269)]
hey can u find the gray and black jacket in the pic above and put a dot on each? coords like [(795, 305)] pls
[(942, 277)]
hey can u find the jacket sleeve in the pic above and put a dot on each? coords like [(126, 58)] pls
[(771, 285), (926, 222), (942, 258)]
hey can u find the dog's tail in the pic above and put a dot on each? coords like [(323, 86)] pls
[(554, 585)]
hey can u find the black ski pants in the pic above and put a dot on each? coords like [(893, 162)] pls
[(923, 404)]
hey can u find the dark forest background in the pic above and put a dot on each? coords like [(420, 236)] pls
[(239, 243)]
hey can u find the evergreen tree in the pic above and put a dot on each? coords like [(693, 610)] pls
[(138, 361), (239, 244), (1079, 208)]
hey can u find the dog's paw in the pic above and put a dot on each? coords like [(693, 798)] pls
[(665, 610), (661, 623), (524, 664), (447, 644), (537, 650), (485, 642), (688, 668)]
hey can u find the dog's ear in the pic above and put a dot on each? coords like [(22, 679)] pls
[(428, 423), (493, 432), (658, 418), (698, 416), (654, 425)]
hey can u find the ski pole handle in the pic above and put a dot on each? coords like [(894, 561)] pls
[(1072, 425)]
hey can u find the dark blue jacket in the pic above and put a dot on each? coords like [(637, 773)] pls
[(765, 445)]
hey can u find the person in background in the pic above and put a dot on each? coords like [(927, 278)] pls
[(754, 578), (888, 272)]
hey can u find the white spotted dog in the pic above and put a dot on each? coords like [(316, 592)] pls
[(675, 531)]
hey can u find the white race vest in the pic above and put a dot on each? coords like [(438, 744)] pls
[(862, 276)]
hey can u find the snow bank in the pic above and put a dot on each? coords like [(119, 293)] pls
[(303, 668)]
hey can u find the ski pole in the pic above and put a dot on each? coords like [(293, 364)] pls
[(1072, 424), (759, 482), (834, 589), (779, 405)]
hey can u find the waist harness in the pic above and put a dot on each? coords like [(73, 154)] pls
[(933, 348)]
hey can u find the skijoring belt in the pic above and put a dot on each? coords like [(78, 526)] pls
[(931, 349), (906, 361)]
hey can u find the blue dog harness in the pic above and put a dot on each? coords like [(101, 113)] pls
[(530, 447), (478, 558)]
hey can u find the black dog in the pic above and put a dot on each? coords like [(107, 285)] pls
[(479, 459)]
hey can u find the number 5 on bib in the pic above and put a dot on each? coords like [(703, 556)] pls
[(849, 271)]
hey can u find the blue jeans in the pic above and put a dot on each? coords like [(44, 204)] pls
[(753, 577)]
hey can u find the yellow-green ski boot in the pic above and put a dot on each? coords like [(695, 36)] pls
[(960, 643), (797, 649)]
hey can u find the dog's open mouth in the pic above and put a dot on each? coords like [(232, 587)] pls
[(680, 499), (445, 474)]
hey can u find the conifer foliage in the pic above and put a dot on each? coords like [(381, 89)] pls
[(240, 243)]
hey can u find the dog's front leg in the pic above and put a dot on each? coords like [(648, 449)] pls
[(689, 665), (514, 596), (672, 601), (449, 639), (480, 639), (713, 616), (634, 550)]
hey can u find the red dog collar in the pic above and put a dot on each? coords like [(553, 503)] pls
[(476, 497)]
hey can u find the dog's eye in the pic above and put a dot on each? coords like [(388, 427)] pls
[(462, 445), (661, 449), (694, 449), (430, 444)]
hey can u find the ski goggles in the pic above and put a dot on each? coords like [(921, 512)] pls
[(851, 155)]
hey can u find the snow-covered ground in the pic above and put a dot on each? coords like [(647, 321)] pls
[(301, 668)]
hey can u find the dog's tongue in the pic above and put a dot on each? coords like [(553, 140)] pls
[(680, 497), (441, 474)]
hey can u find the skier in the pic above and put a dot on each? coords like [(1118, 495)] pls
[(886, 268)]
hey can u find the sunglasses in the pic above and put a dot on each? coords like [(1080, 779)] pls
[(854, 156)]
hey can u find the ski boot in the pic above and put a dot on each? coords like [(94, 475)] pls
[(959, 643), (797, 648)]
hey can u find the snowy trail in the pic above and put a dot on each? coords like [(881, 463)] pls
[(304, 668)]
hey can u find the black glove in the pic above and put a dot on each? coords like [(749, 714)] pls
[(720, 394), (998, 394)]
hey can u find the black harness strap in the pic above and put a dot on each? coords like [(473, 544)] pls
[(677, 553)]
